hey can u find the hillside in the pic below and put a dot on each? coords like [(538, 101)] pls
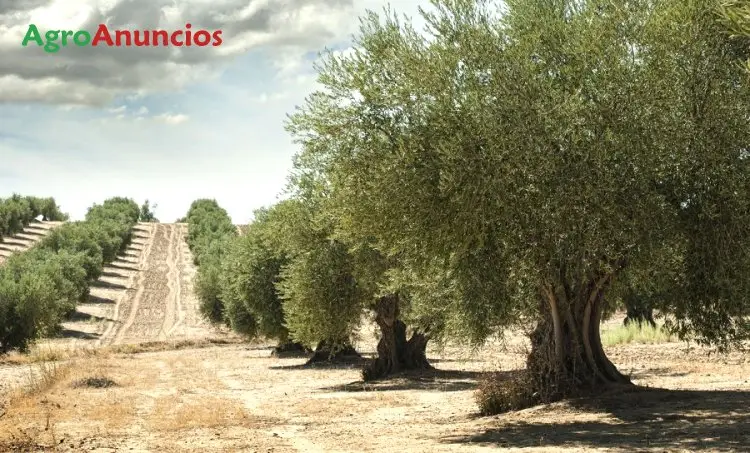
[(20, 242)]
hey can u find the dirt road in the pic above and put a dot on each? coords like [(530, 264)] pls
[(24, 240), (236, 398)]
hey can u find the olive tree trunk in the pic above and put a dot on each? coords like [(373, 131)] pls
[(395, 352), (567, 357)]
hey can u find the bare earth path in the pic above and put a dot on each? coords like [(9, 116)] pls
[(237, 398), (30, 235)]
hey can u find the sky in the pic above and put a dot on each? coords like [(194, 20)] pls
[(170, 125)]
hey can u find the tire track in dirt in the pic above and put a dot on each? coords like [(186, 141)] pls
[(125, 300), (179, 265), (190, 323), (161, 304), (173, 286), (147, 312)]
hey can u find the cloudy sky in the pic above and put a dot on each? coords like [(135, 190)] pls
[(163, 124)]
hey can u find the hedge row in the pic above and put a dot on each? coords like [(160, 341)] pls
[(39, 287), (17, 212), (210, 231)]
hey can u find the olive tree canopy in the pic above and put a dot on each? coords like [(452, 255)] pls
[(539, 151)]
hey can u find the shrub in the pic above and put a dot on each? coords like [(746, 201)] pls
[(498, 393)]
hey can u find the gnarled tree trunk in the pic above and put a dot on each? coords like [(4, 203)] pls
[(395, 352), (567, 357)]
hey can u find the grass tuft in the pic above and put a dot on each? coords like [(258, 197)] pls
[(633, 333), (98, 382)]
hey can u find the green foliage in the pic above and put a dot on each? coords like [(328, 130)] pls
[(735, 15), (147, 214), (249, 275), (210, 231), (208, 284), (17, 212), (27, 308), (77, 237), (550, 144), (42, 285), (207, 222)]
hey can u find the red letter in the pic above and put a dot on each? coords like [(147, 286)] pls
[(102, 33), (118, 37), (174, 40), (188, 36), (141, 40), (217, 38), (202, 38), (163, 34)]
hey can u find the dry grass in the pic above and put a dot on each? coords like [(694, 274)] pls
[(633, 333), (30, 402), (41, 353), (169, 345), (174, 413), (45, 352)]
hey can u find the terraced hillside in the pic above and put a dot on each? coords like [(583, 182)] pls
[(24, 240), (145, 295)]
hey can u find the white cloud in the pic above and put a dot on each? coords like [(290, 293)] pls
[(84, 124), (172, 119)]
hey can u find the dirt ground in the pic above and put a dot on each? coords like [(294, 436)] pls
[(150, 376)]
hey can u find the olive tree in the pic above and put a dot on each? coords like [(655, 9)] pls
[(538, 152), (210, 231), (249, 274), (321, 299)]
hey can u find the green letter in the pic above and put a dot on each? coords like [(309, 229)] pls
[(82, 38), (32, 34), (51, 46)]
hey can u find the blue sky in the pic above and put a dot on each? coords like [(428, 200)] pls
[(156, 124)]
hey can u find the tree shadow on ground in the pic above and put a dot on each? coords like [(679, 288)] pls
[(639, 418), (99, 300), (112, 275), (81, 316), (71, 333), (338, 364), (9, 241), (431, 380), (35, 231), (433, 361), (657, 372), (107, 285), (123, 267)]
